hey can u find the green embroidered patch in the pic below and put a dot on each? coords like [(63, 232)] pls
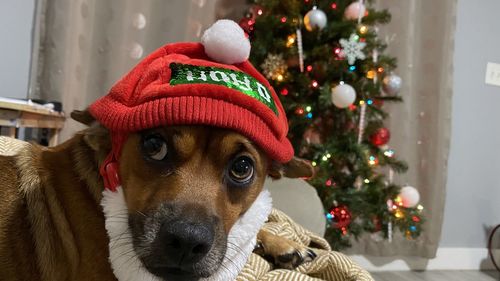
[(239, 81)]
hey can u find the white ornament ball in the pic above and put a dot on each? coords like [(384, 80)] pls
[(343, 95), (315, 19), (355, 10), (409, 196), (226, 42), (139, 21), (136, 51), (392, 84)]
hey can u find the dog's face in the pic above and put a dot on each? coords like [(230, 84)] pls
[(185, 187)]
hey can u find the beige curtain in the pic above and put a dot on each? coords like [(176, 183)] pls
[(420, 35), (86, 45)]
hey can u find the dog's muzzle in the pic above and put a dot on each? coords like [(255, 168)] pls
[(179, 242)]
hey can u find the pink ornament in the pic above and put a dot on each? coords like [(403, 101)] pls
[(354, 11)]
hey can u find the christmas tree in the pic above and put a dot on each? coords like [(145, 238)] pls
[(327, 63)]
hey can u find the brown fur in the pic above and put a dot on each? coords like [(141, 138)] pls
[(51, 223)]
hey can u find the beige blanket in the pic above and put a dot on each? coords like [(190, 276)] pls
[(329, 265)]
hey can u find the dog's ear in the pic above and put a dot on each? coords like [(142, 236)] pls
[(296, 168), (83, 116)]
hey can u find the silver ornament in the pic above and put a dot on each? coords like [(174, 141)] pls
[(315, 19), (392, 84)]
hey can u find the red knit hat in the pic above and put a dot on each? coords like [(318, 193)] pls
[(209, 83)]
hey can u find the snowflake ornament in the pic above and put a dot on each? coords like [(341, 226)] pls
[(274, 67), (352, 49)]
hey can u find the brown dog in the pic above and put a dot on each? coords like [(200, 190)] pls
[(186, 191)]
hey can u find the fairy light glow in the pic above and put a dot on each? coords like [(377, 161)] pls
[(389, 153)]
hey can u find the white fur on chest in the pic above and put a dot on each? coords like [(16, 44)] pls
[(127, 266)]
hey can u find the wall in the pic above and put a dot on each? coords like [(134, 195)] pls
[(473, 189), (16, 18)]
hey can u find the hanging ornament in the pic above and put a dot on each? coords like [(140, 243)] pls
[(312, 136), (377, 224), (355, 11), (380, 137), (392, 84), (409, 196), (315, 19), (274, 67), (300, 49), (340, 217), (352, 48), (343, 95)]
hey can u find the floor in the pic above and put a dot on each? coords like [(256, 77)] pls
[(437, 275)]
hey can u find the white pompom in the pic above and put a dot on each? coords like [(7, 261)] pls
[(226, 42)]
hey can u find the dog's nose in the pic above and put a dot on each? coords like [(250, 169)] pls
[(186, 243)]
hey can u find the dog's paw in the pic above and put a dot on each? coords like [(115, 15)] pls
[(283, 252)]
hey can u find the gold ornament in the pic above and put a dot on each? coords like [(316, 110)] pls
[(274, 67)]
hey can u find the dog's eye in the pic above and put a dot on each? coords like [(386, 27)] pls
[(241, 170), (154, 147)]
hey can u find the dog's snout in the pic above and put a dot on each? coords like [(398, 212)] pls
[(186, 243)]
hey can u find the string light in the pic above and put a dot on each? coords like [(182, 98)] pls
[(280, 77), (260, 12), (333, 6), (291, 40), (313, 163), (284, 92), (352, 68), (399, 214), (314, 84), (361, 102), (352, 107), (415, 219), (308, 108), (380, 69), (399, 201), (420, 207), (283, 19), (367, 181), (389, 153), (369, 102), (309, 115), (413, 228), (370, 74), (372, 160), (309, 68), (299, 111)]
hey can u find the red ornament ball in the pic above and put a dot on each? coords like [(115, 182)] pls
[(380, 137), (340, 217)]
